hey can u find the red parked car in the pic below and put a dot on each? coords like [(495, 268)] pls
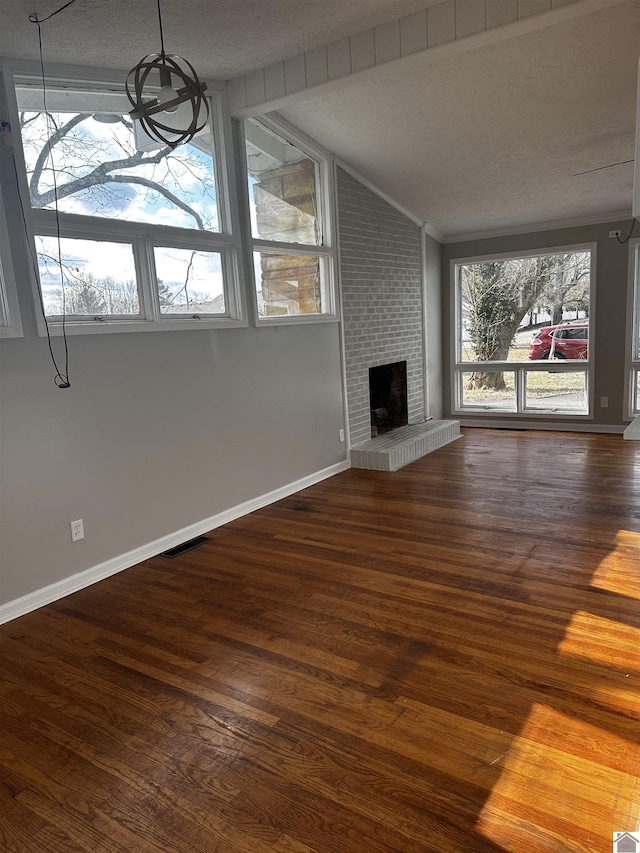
[(568, 340)]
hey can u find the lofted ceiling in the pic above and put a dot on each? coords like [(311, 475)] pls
[(486, 140), (490, 140), (222, 39)]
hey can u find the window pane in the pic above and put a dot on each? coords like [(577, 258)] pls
[(282, 189), (524, 308), (100, 172), (85, 290), (636, 405), (189, 282), (288, 285), (556, 392), (489, 390)]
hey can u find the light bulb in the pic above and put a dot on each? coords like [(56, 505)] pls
[(166, 94)]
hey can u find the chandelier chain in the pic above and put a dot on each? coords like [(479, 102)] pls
[(161, 32)]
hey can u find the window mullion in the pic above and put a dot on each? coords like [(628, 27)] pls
[(145, 270), (520, 376), (230, 267)]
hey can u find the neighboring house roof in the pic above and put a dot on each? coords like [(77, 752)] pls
[(212, 306)]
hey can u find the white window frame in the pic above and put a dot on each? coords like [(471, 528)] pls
[(326, 207), (632, 366), (10, 321), (141, 236), (458, 367)]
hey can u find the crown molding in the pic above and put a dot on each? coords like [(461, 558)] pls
[(554, 225), (374, 189)]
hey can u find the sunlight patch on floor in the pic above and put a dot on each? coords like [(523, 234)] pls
[(607, 642), (584, 802), (619, 571)]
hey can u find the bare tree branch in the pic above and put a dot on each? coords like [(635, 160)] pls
[(99, 175), (171, 301), (145, 182), (55, 137), (24, 121)]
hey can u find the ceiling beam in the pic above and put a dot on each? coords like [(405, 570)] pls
[(439, 31)]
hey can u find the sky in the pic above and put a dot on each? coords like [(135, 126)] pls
[(188, 173)]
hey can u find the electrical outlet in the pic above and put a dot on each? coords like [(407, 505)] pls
[(604, 402), (77, 530), (341, 434), (614, 234)]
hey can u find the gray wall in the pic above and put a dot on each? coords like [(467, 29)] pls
[(159, 430), (609, 319), (433, 276), (381, 271)]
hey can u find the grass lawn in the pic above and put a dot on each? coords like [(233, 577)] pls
[(539, 384)]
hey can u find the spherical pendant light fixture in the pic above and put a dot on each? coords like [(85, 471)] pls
[(180, 109)]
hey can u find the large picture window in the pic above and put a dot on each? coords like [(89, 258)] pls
[(522, 333), (289, 211), (128, 232)]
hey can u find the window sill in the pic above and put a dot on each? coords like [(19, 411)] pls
[(107, 327), (10, 332), (297, 320), (526, 413)]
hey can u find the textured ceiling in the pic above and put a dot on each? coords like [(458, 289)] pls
[(487, 140), (222, 39), (490, 139)]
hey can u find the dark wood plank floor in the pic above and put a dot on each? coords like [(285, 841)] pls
[(442, 659)]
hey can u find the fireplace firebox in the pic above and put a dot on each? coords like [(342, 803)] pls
[(388, 397)]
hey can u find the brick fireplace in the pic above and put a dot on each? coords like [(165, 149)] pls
[(383, 318), (381, 267)]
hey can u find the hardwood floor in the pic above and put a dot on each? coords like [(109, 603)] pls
[(446, 658)]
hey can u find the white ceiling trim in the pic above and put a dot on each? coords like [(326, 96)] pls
[(439, 31), (374, 189), (614, 217), (555, 225), (431, 230)]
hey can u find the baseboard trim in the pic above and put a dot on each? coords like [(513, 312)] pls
[(612, 429), (54, 592)]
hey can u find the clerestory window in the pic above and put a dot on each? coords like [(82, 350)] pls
[(128, 233), (289, 193)]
